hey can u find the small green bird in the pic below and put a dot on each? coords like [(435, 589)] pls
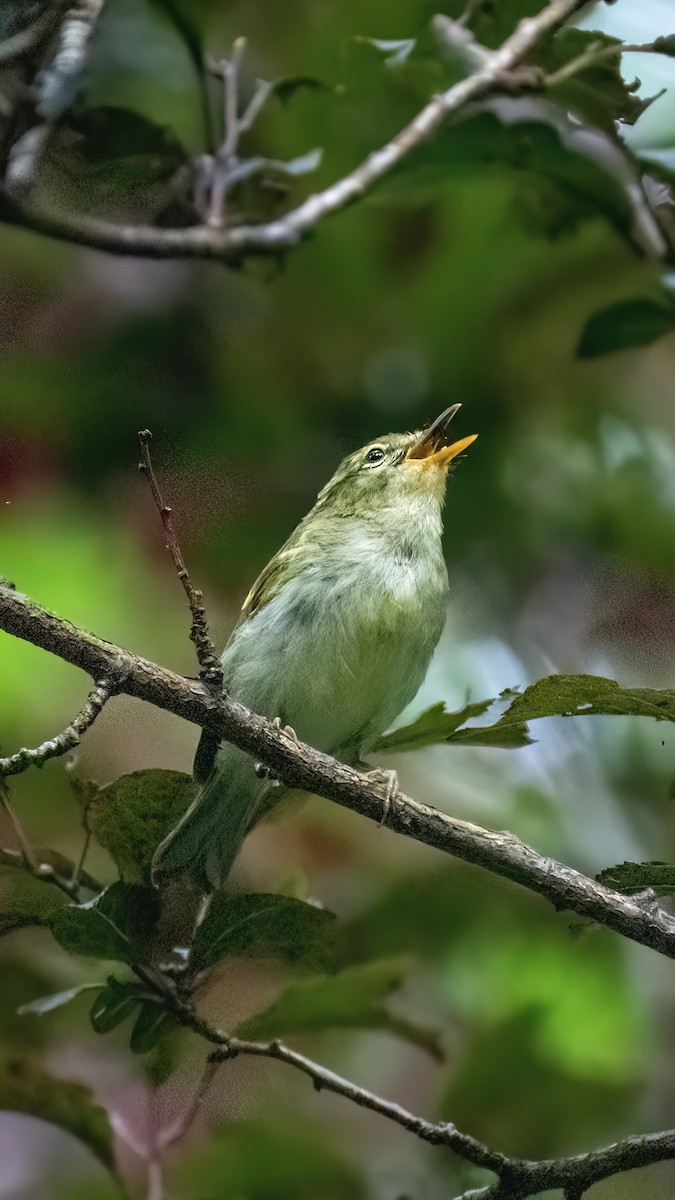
[(334, 638)]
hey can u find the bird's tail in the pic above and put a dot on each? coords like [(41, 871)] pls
[(205, 843)]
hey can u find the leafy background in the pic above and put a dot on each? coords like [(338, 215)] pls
[(466, 281)]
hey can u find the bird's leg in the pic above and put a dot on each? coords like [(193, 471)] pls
[(260, 769), (388, 777)]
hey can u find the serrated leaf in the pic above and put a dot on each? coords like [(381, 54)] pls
[(629, 877), (115, 1002), (116, 925), (625, 325), (597, 94), (45, 1004), (265, 926), (25, 900), (437, 725), (587, 695), (25, 1087), (134, 813), (352, 999), (152, 1023)]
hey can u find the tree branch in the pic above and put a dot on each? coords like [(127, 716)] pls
[(230, 245), (211, 671), (63, 742), (55, 87), (300, 766), (518, 1178)]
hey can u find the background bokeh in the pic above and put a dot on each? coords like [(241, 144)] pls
[(560, 539)]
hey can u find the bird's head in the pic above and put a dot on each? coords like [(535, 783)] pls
[(394, 470)]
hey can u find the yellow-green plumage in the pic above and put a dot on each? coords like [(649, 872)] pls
[(334, 638)]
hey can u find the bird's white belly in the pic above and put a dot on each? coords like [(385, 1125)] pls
[(338, 654)]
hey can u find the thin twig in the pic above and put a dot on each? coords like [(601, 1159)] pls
[(169, 1137), (63, 742), (28, 857), (596, 53), (211, 671), (517, 1178), (300, 766)]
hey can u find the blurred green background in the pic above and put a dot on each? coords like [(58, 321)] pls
[(560, 539)]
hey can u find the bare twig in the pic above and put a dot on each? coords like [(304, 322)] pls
[(300, 766), (518, 1178), (231, 244), (63, 742), (598, 53), (211, 671), (27, 857)]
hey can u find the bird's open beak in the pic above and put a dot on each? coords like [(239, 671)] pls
[(432, 447)]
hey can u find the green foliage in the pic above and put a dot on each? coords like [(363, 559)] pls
[(45, 1004), (352, 999), (265, 926), (133, 814), (625, 325), (116, 925), (597, 94), (436, 724), (26, 1087), (272, 1162), (115, 1003), (630, 877), (25, 900)]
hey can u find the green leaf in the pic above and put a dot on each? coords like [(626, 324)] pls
[(629, 877), (265, 926), (116, 1001), (352, 999), (132, 815), (25, 1087), (625, 325), (152, 1023), (598, 94), (665, 45), (116, 925), (45, 1004), (587, 695), (436, 724), (287, 85), (394, 52), (25, 900)]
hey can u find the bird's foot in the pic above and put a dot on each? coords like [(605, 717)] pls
[(390, 778), (264, 772)]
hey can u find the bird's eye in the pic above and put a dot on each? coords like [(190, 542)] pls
[(375, 455)]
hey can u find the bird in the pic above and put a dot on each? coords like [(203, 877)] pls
[(334, 638)]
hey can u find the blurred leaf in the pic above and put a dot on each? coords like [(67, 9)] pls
[(393, 51), (302, 165), (132, 815), (352, 999), (550, 1109), (553, 154), (152, 1023), (116, 925), (258, 1161), (436, 724), (47, 1004), (116, 1001), (25, 1087), (598, 93), (287, 85), (665, 45), (587, 695), (628, 877), (25, 900), (624, 325), (265, 926)]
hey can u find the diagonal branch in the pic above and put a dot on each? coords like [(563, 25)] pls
[(299, 766), (63, 742), (518, 1178), (230, 245)]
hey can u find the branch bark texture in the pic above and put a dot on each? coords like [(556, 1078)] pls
[(300, 766), (231, 244)]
